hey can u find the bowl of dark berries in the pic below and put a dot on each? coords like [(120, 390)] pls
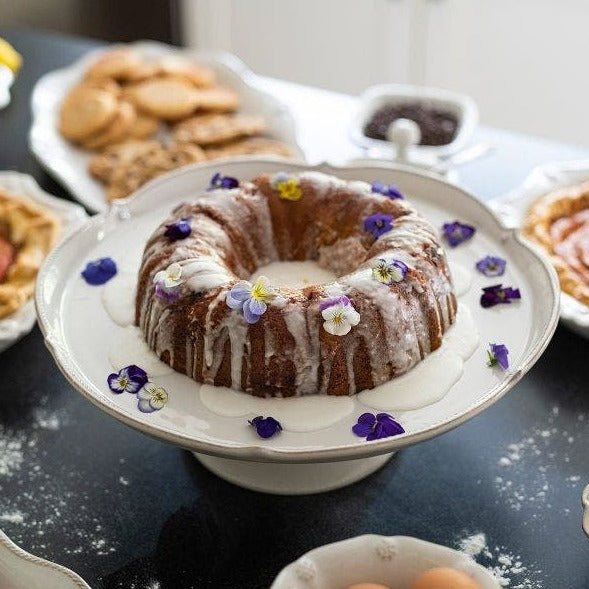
[(443, 121)]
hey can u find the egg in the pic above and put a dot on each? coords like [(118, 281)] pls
[(444, 578), (367, 586)]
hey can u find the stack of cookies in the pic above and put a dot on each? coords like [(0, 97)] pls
[(126, 103)]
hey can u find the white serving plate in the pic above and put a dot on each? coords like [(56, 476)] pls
[(65, 306), (394, 561), (69, 164), (22, 570), (18, 324), (461, 105), (512, 208)]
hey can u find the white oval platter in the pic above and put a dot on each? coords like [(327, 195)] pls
[(79, 332), (512, 207), (69, 164)]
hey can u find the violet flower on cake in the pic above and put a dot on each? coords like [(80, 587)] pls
[(99, 271), (497, 294), (265, 427), (151, 398), (378, 224), (250, 298), (389, 190), (178, 230), (491, 266), (339, 315), (167, 282), (375, 427), (389, 271), (288, 187), (223, 182), (129, 379), (497, 354), (456, 232)]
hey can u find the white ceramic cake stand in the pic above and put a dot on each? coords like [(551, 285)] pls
[(292, 462)]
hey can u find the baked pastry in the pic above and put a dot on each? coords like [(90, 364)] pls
[(212, 129), (27, 233), (388, 309), (559, 221)]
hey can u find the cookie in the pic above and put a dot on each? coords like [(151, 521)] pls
[(116, 131), (218, 128), (144, 127), (251, 146), (102, 166), (118, 64), (165, 98), (107, 84), (175, 65), (86, 111), (127, 178), (217, 98)]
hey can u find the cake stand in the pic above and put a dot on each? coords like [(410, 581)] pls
[(299, 460)]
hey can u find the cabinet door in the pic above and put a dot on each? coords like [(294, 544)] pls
[(341, 45), (523, 62)]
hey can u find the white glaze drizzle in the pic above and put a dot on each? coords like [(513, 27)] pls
[(118, 297)]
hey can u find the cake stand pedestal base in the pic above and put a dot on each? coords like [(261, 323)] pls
[(292, 479)]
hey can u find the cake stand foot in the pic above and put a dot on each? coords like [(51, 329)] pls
[(292, 479)]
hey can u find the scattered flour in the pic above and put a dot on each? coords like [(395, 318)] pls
[(507, 568)]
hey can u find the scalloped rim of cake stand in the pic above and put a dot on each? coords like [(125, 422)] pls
[(258, 452)]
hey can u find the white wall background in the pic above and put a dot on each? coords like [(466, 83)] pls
[(523, 61)]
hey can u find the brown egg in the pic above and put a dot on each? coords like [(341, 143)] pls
[(444, 578), (367, 586)]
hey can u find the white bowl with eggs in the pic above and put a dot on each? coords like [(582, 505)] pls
[(391, 562)]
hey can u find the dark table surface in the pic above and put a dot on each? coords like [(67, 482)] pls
[(125, 510)]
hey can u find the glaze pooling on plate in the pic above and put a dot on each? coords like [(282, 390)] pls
[(66, 305)]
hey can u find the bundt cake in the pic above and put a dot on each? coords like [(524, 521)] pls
[(391, 303)]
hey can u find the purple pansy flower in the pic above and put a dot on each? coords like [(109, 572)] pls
[(388, 271), (219, 181), (378, 224), (99, 271), (491, 266), (251, 298), (265, 427), (496, 294), (456, 232), (167, 282), (386, 190), (498, 355), (151, 398), (374, 427), (129, 379), (179, 229), (339, 315)]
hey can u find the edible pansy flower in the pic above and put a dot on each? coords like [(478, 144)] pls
[(457, 232), (167, 282), (178, 230), (288, 187), (497, 294), (375, 427), (491, 266), (226, 182), (127, 380), (378, 224), (250, 298), (339, 315), (388, 271), (497, 354), (265, 427), (99, 271), (388, 190), (151, 398)]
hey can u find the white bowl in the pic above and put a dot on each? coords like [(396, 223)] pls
[(69, 163), (460, 105), (18, 324), (22, 570), (512, 207), (394, 561)]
